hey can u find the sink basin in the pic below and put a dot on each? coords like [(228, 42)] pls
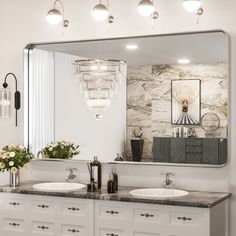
[(58, 186), (158, 193)]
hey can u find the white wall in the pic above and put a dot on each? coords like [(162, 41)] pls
[(22, 22), (75, 122)]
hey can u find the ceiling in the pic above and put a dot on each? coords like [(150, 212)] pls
[(163, 49)]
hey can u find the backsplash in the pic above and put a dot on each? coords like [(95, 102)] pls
[(149, 99)]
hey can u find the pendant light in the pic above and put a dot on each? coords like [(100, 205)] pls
[(55, 17), (191, 5), (5, 99), (100, 12), (146, 7)]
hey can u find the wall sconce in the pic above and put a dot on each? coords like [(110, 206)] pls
[(5, 99), (191, 6), (55, 17), (146, 7)]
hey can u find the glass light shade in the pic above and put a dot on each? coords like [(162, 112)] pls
[(5, 103), (191, 5), (145, 7), (100, 12), (54, 17)]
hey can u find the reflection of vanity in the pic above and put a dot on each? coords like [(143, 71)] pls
[(28, 212), (190, 150)]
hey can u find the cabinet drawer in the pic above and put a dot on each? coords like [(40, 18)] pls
[(146, 215), (73, 209), (111, 232), (42, 228), (76, 230), (14, 225), (43, 206), (18, 204), (146, 234)]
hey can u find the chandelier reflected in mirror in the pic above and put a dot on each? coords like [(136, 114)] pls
[(99, 81)]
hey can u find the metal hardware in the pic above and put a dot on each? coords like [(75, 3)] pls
[(14, 203), (167, 181), (71, 175), (73, 230), (112, 212), (146, 215), (43, 227), (43, 206), (73, 209), (14, 224), (184, 218), (111, 234)]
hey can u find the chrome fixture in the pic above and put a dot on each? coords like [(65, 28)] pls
[(167, 181), (146, 7), (39, 155), (193, 6), (99, 80), (71, 175), (55, 17), (5, 99)]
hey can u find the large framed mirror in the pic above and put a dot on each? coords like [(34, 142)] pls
[(160, 99)]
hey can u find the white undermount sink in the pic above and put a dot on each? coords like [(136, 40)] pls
[(158, 193), (58, 186)]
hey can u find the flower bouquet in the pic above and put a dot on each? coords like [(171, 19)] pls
[(61, 150)]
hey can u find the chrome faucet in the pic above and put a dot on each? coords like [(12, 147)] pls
[(167, 181), (71, 175), (40, 154)]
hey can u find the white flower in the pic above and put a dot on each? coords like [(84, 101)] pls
[(14, 170), (50, 149), (12, 154), (12, 146), (2, 165), (26, 166), (11, 163), (21, 147)]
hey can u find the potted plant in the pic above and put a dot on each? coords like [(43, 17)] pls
[(61, 150), (12, 158)]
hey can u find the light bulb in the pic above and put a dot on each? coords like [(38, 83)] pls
[(100, 12), (191, 5), (183, 61), (145, 7), (54, 17)]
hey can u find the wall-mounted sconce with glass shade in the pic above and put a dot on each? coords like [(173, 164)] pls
[(55, 17), (5, 99), (99, 81)]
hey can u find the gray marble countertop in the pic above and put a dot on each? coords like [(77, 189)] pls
[(194, 199)]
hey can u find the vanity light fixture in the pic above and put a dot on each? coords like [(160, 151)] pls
[(5, 99), (55, 17), (131, 46), (146, 7), (99, 81), (183, 61), (100, 12), (191, 5)]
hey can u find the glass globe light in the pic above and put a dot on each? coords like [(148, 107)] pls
[(100, 12), (54, 17), (191, 5), (145, 7)]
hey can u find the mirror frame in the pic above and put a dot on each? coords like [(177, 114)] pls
[(28, 50)]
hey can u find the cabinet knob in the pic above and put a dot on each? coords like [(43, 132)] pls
[(146, 215), (112, 212), (43, 206), (73, 209), (184, 218), (43, 227), (73, 230), (14, 203), (111, 234), (14, 224)]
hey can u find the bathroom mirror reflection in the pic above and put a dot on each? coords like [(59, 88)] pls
[(153, 99)]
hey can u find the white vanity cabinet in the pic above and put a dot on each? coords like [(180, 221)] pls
[(31, 215), (137, 219)]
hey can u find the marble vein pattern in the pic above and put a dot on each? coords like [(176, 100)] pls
[(149, 99)]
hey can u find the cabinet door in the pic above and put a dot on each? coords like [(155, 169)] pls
[(161, 149), (210, 151), (178, 150)]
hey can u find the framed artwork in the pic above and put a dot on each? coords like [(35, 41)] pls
[(186, 102)]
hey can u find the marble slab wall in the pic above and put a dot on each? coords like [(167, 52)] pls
[(149, 99)]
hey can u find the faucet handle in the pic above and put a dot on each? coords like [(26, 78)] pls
[(72, 169), (168, 173)]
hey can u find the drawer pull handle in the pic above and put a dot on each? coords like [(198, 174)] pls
[(73, 230), (14, 224), (112, 213), (14, 203), (184, 218), (147, 215), (43, 206), (111, 234), (73, 209), (43, 227)]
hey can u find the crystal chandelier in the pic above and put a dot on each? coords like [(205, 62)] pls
[(99, 80)]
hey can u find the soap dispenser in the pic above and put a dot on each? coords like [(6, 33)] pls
[(115, 179), (96, 169)]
